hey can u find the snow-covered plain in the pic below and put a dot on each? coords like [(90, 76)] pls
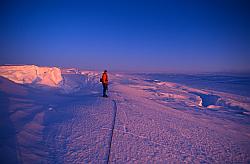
[(147, 118)]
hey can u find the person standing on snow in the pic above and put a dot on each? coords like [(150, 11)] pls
[(104, 81)]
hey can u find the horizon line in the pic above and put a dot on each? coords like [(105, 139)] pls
[(245, 72)]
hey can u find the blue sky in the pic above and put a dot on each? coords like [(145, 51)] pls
[(165, 36)]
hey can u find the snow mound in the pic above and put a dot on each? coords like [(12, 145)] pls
[(70, 71), (90, 73), (27, 74), (76, 80), (167, 84)]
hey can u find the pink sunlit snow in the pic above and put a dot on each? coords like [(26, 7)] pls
[(52, 115)]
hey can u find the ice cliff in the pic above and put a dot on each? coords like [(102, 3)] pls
[(27, 74)]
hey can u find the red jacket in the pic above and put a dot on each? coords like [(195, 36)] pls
[(105, 78)]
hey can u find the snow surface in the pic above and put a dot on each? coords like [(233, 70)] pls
[(143, 120)]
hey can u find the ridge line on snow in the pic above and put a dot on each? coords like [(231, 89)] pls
[(112, 129)]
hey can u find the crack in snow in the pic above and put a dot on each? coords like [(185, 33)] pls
[(112, 130)]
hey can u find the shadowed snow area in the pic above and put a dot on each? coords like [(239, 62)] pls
[(145, 119)]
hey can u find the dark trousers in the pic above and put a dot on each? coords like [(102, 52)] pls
[(105, 88)]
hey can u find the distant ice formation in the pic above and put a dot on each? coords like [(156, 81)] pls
[(26, 74)]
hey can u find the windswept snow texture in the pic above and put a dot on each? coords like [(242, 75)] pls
[(144, 120)]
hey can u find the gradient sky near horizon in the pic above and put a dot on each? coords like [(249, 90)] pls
[(128, 35)]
